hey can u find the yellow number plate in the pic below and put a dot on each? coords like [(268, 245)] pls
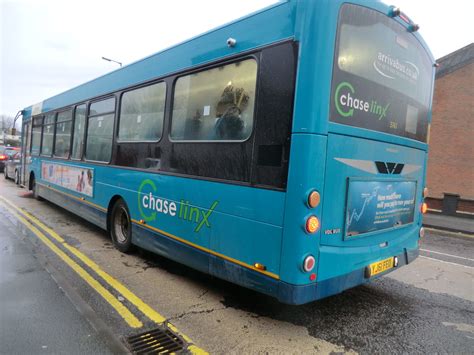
[(380, 266)]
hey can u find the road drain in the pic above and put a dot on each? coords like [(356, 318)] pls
[(155, 341)]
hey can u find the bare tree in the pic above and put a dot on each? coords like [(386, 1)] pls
[(6, 123)]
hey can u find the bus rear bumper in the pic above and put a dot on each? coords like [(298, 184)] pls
[(301, 294)]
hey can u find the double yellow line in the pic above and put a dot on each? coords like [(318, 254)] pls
[(32, 223)]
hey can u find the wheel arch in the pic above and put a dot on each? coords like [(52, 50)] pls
[(110, 206), (31, 179)]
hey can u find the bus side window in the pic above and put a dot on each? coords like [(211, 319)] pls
[(62, 138), (100, 129), (36, 135), (216, 104), (48, 134), (141, 114), (79, 129)]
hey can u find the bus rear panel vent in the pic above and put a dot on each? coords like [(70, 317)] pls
[(389, 168), (156, 341)]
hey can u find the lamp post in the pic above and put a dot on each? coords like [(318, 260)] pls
[(111, 60), (19, 113)]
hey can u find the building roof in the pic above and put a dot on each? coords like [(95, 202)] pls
[(455, 60)]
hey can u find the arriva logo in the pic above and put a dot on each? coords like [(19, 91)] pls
[(150, 206), (347, 101)]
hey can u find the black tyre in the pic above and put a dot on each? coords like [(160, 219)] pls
[(34, 189), (17, 177), (121, 227), (5, 175)]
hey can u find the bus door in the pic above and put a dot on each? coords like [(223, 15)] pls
[(26, 155)]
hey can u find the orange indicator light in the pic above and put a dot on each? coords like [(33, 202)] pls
[(313, 199), (260, 266), (424, 207), (312, 224)]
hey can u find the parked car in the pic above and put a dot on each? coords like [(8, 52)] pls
[(12, 167), (5, 153)]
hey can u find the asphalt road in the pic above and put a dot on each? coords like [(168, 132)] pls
[(426, 307), (35, 314)]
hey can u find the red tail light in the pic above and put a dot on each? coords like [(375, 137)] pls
[(309, 263), (3, 157)]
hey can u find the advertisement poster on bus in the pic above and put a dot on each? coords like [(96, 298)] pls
[(69, 177), (377, 205)]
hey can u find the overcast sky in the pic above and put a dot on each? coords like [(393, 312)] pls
[(49, 46)]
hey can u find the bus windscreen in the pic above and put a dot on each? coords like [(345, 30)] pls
[(382, 75)]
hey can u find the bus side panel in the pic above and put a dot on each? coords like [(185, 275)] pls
[(238, 223), (89, 213), (306, 174), (66, 198)]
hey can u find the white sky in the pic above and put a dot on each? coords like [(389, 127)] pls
[(49, 46)]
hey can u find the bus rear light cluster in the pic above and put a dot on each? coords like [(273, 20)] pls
[(312, 224), (314, 199), (413, 27), (424, 207), (394, 11), (309, 263)]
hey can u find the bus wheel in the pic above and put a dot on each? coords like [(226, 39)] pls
[(121, 227), (34, 188)]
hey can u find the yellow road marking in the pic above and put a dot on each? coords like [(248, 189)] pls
[(119, 287), (123, 311)]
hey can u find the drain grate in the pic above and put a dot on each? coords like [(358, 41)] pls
[(155, 341)]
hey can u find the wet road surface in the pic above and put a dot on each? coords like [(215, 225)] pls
[(35, 314)]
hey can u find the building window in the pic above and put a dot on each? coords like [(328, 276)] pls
[(215, 104), (141, 114), (100, 130), (62, 139)]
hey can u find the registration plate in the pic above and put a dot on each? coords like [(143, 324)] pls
[(380, 266)]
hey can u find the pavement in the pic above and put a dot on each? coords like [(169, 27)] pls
[(36, 316), (464, 225)]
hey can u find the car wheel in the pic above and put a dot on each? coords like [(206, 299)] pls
[(121, 227), (17, 177), (5, 174)]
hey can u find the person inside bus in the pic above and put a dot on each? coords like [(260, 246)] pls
[(229, 124)]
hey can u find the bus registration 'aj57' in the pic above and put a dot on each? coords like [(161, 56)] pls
[(282, 152)]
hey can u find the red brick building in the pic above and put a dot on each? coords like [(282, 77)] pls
[(451, 155)]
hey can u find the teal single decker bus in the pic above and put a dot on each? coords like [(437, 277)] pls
[(285, 152)]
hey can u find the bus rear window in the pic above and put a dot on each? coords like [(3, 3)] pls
[(382, 76)]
